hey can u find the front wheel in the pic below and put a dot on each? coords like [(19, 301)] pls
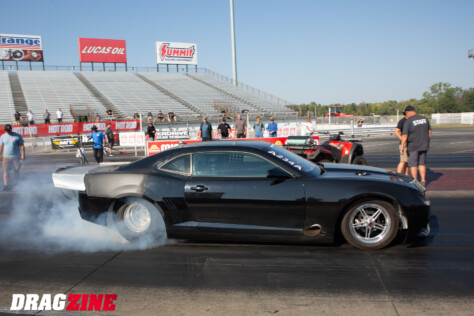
[(138, 219), (359, 160), (370, 225)]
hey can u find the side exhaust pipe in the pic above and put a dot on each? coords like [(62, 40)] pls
[(312, 231)]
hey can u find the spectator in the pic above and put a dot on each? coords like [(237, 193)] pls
[(12, 150), (241, 127), (151, 131), (171, 116), (403, 164), (416, 136), (308, 127), (99, 143), (18, 118), (224, 129), (259, 127), (109, 112), (136, 116), (31, 117), (97, 117), (109, 136), (47, 117), (161, 117), (272, 128), (59, 115), (206, 130), (149, 117)]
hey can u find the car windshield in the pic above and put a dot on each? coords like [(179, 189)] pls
[(292, 159)]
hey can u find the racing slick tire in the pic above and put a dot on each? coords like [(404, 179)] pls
[(359, 160), (370, 224), (138, 219)]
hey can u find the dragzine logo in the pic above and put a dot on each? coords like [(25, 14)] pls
[(176, 52), (72, 302), (64, 128)]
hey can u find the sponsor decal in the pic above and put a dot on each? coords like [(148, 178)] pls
[(176, 53), (290, 162), (15, 47), (98, 50), (59, 302), (162, 134)]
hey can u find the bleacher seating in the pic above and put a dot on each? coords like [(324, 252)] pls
[(7, 108), (268, 106), (130, 94), (203, 97), (188, 95), (53, 90)]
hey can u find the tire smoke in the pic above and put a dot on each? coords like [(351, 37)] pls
[(41, 219)]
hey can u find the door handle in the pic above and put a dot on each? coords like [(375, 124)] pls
[(199, 188)]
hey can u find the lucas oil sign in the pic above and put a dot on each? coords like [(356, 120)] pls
[(96, 50)]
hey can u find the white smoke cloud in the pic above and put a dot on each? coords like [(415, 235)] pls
[(41, 219)]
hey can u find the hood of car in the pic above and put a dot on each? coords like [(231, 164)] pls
[(364, 172)]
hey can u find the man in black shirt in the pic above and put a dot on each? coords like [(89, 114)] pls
[(224, 129), (416, 135), (151, 131), (109, 137)]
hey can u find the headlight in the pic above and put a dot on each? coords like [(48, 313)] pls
[(417, 185)]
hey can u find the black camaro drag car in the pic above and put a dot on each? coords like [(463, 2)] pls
[(248, 191)]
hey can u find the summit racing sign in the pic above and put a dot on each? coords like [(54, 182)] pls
[(15, 47), (96, 50), (176, 53)]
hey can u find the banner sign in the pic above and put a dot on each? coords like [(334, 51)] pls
[(176, 53), (163, 134), (136, 139), (96, 50), (72, 128), (20, 47), (159, 146)]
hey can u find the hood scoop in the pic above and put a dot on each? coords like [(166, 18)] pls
[(361, 173)]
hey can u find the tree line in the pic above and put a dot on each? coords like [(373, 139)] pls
[(440, 98)]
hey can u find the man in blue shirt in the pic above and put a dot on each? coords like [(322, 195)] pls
[(272, 128), (12, 149), (206, 130), (99, 142)]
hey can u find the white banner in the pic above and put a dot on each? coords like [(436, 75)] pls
[(176, 53), (136, 139)]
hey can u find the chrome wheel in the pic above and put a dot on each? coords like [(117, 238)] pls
[(137, 217), (370, 223)]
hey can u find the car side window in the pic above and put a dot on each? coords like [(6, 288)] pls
[(181, 164), (231, 164)]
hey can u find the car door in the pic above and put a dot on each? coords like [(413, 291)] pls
[(245, 192)]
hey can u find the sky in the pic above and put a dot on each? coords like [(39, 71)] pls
[(299, 50)]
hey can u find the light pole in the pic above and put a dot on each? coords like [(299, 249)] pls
[(232, 31)]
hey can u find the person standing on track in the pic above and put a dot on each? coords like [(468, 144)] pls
[(206, 130), (109, 135), (241, 127), (416, 136), (403, 164), (12, 150), (99, 143)]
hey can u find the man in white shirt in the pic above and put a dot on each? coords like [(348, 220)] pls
[(59, 115)]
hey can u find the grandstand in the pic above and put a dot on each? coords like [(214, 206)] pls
[(7, 108), (55, 90), (189, 96)]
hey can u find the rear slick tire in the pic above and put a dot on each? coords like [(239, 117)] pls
[(139, 220), (370, 224)]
